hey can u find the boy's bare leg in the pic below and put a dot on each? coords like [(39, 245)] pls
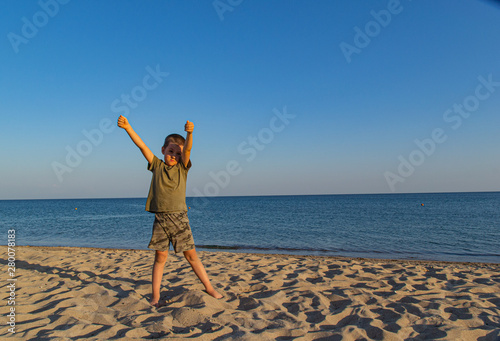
[(199, 270), (159, 264)]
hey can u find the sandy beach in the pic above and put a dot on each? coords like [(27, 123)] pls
[(87, 293)]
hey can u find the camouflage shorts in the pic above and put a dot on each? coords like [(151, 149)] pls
[(171, 228)]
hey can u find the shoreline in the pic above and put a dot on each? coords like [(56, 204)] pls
[(284, 254), (93, 293)]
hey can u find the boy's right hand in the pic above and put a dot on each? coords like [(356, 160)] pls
[(123, 122)]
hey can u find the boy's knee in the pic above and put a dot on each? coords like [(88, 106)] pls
[(191, 256), (161, 257), (159, 260)]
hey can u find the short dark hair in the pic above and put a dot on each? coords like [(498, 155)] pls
[(174, 138)]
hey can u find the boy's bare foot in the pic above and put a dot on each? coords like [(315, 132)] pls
[(158, 304), (214, 293)]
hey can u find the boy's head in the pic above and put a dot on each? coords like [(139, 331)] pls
[(172, 149), (174, 138)]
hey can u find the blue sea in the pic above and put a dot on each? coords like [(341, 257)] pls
[(433, 226)]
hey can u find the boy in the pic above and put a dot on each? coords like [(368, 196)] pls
[(167, 199)]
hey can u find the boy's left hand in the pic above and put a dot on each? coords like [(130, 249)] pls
[(189, 127)]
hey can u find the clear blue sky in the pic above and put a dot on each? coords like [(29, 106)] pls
[(362, 79)]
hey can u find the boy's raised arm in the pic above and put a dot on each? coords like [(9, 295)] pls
[(123, 123), (186, 150)]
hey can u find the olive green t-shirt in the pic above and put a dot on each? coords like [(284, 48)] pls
[(167, 192)]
